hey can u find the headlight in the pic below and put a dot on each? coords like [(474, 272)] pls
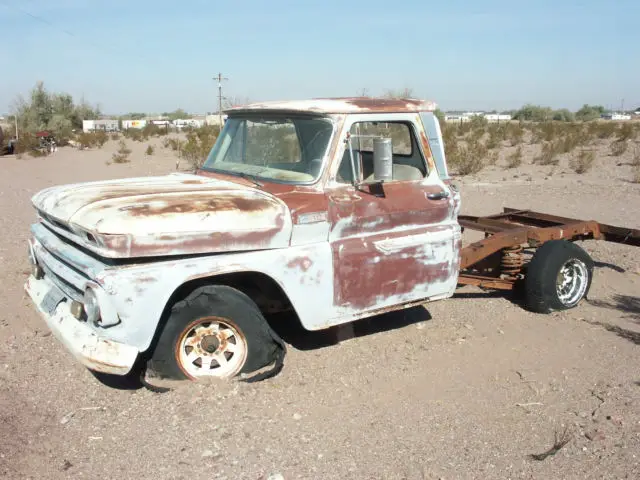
[(91, 308)]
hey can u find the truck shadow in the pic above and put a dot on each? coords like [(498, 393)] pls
[(289, 328)]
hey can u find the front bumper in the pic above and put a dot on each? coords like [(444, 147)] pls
[(94, 352)]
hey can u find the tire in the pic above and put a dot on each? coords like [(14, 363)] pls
[(542, 292), (189, 340)]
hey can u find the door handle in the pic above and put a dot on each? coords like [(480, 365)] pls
[(438, 195)]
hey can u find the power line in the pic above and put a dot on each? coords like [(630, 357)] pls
[(36, 17), (67, 32)]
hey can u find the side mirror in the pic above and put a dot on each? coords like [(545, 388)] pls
[(382, 159)]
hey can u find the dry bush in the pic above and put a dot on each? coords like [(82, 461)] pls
[(122, 155), (515, 133), (28, 143), (115, 137), (636, 174), (198, 145), (173, 143), (101, 138), (134, 134), (469, 159), (582, 161), (602, 130), (635, 159), (548, 154), (492, 157), (149, 151), (619, 147), (515, 159), (627, 132)]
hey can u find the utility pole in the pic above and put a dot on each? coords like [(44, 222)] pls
[(220, 78)]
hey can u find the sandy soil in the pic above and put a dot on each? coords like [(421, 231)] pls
[(464, 388)]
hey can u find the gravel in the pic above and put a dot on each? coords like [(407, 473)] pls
[(468, 387)]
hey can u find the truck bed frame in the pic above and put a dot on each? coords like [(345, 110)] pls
[(498, 261)]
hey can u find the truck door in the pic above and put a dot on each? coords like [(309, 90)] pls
[(397, 243)]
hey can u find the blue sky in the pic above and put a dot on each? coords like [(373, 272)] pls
[(154, 56)]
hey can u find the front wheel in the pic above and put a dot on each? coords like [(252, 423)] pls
[(558, 277), (216, 332)]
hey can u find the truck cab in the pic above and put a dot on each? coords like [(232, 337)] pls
[(332, 209)]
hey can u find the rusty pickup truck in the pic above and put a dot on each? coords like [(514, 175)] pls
[(331, 209)]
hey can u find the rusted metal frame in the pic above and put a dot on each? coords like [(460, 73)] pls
[(485, 281), (485, 224), (532, 236), (610, 233)]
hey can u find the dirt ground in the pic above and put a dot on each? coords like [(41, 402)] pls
[(468, 387)]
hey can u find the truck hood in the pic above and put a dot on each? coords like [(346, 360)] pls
[(174, 214)]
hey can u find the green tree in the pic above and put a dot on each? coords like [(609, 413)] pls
[(589, 112), (563, 115), (55, 112), (533, 113)]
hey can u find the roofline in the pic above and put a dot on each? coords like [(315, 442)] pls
[(338, 105)]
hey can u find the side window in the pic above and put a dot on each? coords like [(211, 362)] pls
[(408, 163)]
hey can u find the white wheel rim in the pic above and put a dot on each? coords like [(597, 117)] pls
[(211, 347), (572, 281)]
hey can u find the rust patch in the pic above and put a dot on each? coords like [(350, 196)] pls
[(386, 104), (184, 205), (304, 263)]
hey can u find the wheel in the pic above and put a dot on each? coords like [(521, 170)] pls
[(558, 277), (216, 332)]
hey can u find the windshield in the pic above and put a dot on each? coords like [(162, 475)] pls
[(276, 147)]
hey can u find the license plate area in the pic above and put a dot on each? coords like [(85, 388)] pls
[(52, 299)]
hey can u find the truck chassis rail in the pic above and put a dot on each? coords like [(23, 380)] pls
[(498, 261)]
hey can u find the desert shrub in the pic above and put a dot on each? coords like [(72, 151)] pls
[(115, 137), (101, 138), (636, 174), (602, 130), (627, 132), (134, 134), (463, 129), (26, 144), (469, 159), (515, 133), (122, 155), (86, 140), (635, 159), (515, 159), (149, 151), (619, 147), (492, 157), (548, 154), (199, 143), (582, 161)]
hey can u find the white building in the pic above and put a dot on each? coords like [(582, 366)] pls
[(497, 117), (106, 125), (127, 124), (214, 119), (616, 116), (188, 122)]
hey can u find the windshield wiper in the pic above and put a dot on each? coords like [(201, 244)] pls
[(251, 178)]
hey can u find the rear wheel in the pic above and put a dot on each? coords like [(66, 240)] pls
[(558, 277), (216, 332)]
